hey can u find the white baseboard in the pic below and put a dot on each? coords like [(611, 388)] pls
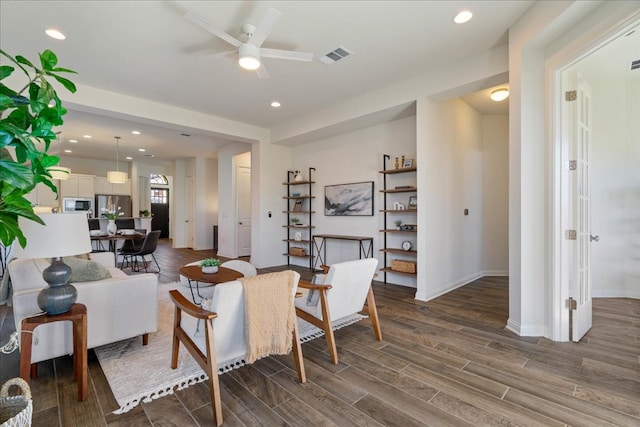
[(448, 288), (616, 293), (498, 273), (526, 330)]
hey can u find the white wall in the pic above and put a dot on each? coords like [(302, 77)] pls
[(450, 181), (495, 195), (206, 202), (348, 158), (615, 187)]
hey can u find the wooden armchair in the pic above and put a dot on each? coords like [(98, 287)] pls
[(343, 291), (225, 349)]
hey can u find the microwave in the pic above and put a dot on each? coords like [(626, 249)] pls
[(77, 204)]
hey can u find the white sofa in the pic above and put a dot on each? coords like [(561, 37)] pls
[(119, 307)]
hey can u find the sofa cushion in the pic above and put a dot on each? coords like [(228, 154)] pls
[(83, 270)]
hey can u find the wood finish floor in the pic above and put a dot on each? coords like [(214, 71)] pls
[(446, 362)]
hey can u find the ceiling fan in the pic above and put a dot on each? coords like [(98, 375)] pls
[(250, 51)]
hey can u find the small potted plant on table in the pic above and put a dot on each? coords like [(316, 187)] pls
[(210, 265), (398, 223)]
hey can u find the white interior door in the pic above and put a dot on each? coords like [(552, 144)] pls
[(244, 210), (189, 208), (581, 207)]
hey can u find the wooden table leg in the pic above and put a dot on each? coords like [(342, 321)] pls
[(80, 363), (25, 351)]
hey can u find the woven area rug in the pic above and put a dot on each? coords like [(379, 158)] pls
[(138, 373)]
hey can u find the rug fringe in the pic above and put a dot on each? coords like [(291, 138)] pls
[(336, 324)]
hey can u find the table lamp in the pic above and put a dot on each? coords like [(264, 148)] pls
[(63, 235)]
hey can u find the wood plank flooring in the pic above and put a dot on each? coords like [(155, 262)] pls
[(446, 362)]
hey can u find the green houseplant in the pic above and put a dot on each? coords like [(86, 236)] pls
[(210, 265), (28, 116)]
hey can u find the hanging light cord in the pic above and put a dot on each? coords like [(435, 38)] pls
[(117, 153)]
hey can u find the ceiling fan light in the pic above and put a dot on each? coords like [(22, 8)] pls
[(499, 94), (249, 57), (117, 177)]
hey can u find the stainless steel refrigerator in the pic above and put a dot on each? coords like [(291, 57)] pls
[(110, 201)]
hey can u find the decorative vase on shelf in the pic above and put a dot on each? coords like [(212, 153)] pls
[(297, 176), (111, 227), (209, 270)]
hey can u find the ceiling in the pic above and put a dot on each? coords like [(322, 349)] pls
[(147, 49)]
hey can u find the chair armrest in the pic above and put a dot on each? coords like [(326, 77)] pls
[(325, 268), (307, 285), (189, 307)]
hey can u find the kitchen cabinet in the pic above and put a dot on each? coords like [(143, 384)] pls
[(102, 186), (43, 196), (78, 185)]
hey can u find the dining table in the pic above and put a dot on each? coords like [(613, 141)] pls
[(193, 273), (113, 238)]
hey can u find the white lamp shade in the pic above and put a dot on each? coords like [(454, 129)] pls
[(62, 235), (117, 177), (59, 172)]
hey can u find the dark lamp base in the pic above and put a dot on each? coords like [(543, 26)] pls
[(59, 296)]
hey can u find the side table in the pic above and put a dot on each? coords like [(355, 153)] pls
[(78, 315)]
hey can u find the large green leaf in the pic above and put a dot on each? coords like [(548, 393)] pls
[(48, 60), (68, 84), (5, 71), (22, 60), (16, 174)]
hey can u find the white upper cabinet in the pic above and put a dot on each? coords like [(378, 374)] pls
[(43, 196), (102, 186), (78, 186)]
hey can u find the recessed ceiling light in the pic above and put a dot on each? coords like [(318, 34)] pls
[(68, 151), (141, 150), (86, 136), (129, 158), (275, 104), (499, 94), (75, 141), (462, 17), (54, 34), (135, 132)]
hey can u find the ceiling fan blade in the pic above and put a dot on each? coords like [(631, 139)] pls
[(262, 72), (265, 26), (286, 54), (202, 23)]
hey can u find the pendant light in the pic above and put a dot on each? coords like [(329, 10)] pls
[(117, 177), (58, 171)]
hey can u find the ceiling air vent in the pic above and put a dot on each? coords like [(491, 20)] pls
[(335, 56), (635, 65)]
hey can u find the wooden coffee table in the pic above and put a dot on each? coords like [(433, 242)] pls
[(193, 273)]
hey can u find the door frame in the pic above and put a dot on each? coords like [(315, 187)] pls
[(560, 256)]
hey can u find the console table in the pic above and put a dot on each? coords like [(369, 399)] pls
[(365, 246)]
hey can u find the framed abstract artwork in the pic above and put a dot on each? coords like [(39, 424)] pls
[(355, 199)]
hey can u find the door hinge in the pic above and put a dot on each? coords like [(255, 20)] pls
[(571, 235), (572, 304), (571, 95), (573, 165)]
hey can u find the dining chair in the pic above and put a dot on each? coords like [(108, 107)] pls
[(244, 267), (148, 247), (343, 291)]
